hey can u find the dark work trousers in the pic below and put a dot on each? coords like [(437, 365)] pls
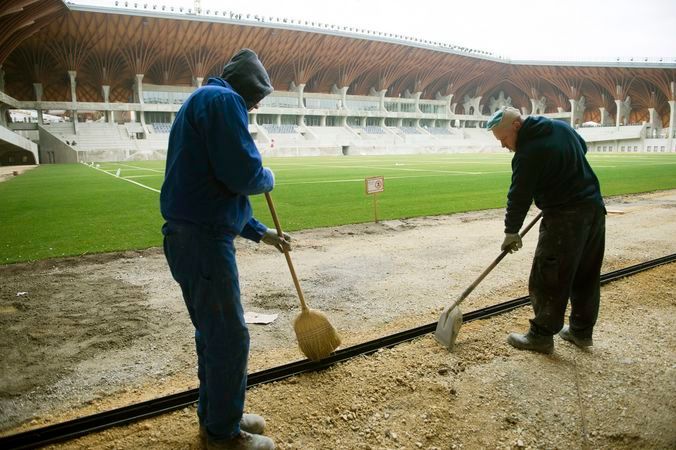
[(567, 264), (202, 261)]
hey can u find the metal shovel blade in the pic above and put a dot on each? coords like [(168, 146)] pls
[(450, 320), (448, 326)]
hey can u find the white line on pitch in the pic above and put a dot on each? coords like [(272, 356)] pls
[(125, 179), (155, 175), (361, 180), (141, 168), (394, 168), (114, 168)]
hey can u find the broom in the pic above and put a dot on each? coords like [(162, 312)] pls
[(316, 336)]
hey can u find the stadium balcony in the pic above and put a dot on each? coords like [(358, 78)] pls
[(322, 103), (599, 134)]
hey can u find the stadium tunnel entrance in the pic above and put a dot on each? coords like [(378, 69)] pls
[(16, 150), (16, 157)]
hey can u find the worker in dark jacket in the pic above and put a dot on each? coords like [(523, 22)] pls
[(549, 166), (212, 167)]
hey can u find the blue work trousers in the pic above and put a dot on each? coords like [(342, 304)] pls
[(567, 265), (202, 261)]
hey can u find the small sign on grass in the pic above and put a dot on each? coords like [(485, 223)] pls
[(373, 186)]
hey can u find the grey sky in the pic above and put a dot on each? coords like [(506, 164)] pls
[(522, 29)]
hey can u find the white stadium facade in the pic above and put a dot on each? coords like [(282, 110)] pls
[(83, 83)]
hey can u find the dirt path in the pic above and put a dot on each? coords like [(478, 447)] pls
[(101, 331), (7, 172)]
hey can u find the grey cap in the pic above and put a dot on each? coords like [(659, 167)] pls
[(503, 116)]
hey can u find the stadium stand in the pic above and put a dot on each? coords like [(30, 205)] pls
[(319, 106), (280, 129), (374, 130), (438, 131), (161, 127)]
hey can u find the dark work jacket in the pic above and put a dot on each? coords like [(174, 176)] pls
[(550, 167), (213, 164)]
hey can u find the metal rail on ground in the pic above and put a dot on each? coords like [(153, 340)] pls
[(128, 414)]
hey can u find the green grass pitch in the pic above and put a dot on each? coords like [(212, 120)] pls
[(63, 210)]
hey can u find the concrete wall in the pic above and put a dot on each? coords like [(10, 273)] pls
[(659, 145), (53, 150), (17, 146)]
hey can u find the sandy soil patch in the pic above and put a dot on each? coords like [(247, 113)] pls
[(9, 172), (101, 331)]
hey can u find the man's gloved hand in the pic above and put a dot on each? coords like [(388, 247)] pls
[(272, 238), (512, 242)]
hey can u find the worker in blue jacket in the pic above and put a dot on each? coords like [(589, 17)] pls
[(213, 165), (550, 167)]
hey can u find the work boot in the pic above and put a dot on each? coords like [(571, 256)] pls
[(581, 342), (243, 441), (531, 341), (251, 423)]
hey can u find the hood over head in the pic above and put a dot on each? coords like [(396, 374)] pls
[(247, 76)]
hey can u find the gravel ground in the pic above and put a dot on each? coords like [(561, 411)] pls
[(7, 172), (102, 331)]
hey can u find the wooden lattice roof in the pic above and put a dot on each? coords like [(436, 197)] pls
[(110, 46), (20, 19)]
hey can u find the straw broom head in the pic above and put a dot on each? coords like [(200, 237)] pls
[(316, 336), (317, 339)]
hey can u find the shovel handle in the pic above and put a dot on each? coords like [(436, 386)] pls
[(493, 264), (275, 219)]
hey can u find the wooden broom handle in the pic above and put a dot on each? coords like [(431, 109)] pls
[(488, 270), (271, 205)]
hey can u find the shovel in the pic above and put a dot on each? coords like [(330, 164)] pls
[(450, 320)]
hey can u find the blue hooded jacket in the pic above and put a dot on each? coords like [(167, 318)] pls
[(213, 164), (550, 167)]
